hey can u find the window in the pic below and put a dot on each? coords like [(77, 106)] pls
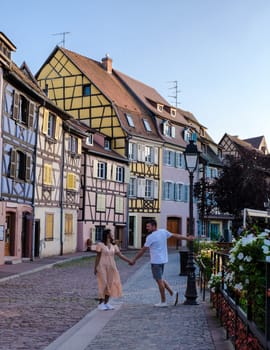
[(74, 145), (187, 134), (132, 151), (211, 172), (71, 181), (168, 190), (133, 187), (90, 139), (51, 125), (47, 174), (149, 188), (107, 144), (101, 170), (86, 90), (99, 233), (68, 224), (101, 202), (20, 165), (179, 160), (149, 154), (168, 129), (22, 109), (173, 112), (160, 107), (169, 157), (120, 174), (130, 120), (147, 125), (49, 221)]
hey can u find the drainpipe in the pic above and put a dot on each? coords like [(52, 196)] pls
[(62, 193), (34, 186)]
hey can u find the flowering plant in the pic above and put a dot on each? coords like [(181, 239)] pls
[(215, 282), (243, 273)]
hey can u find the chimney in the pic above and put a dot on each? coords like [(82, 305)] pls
[(107, 64)]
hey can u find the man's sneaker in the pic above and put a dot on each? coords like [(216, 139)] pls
[(102, 307), (175, 296), (109, 306), (164, 304)]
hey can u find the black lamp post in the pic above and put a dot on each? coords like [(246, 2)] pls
[(191, 155)]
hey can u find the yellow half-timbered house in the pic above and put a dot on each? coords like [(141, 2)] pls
[(93, 94)]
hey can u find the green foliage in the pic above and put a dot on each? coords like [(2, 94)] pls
[(242, 184)]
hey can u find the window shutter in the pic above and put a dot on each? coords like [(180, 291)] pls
[(111, 171), (119, 205), (13, 158), (95, 168), (186, 193), (173, 131), (156, 157), (141, 187), (101, 202), (57, 128), (140, 152), (79, 146), (45, 121), (71, 181), (28, 168), (156, 189), (16, 105), (127, 175), (47, 174), (31, 114)]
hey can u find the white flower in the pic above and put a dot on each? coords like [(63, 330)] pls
[(247, 281), (263, 234), (232, 258), (247, 240), (267, 258), (248, 258), (238, 286), (240, 256), (265, 249), (266, 242), (241, 268)]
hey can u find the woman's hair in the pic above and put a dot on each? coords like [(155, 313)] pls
[(105, 236)]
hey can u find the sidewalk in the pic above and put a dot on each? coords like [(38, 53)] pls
[(136, 324)]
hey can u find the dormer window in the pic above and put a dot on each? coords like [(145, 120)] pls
[(107, 144), (187, 134), (160, 107), (173, 112), (168, 129), (147, 125), (90, 140), (130, 120)]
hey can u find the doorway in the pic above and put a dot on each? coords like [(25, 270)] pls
[(174, 225), (10, 234)]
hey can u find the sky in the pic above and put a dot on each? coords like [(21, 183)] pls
[(218, 51)]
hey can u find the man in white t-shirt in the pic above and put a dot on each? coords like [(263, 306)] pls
[(156, 242)]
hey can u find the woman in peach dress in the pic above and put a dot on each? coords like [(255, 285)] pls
[(108, 278)]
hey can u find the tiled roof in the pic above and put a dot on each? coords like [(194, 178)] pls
[(114, 90), (150, 97), (255, 141)]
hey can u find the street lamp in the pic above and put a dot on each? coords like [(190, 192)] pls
[(191, 155)]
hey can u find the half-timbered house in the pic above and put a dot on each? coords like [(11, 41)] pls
[(93, 94), (40, 177), (103, 199)]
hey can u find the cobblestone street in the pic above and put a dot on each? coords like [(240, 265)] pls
[(38, 307)]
